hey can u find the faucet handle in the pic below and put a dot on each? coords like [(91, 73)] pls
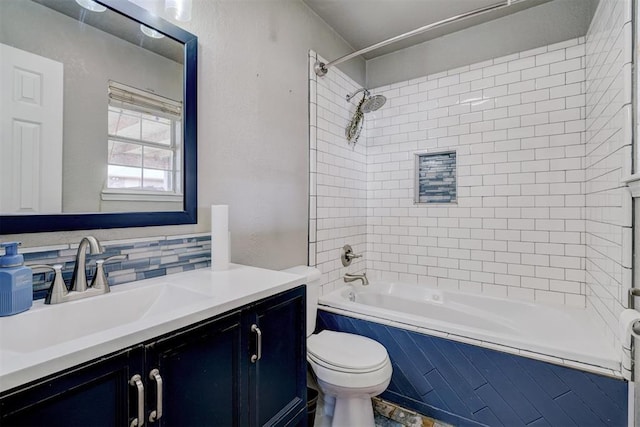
[(348, 255), (58, 289), (99, 280)]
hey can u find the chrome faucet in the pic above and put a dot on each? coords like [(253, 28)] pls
[(58, 291), (79, 279), (353, 277)]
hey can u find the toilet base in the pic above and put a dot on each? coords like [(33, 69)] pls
[(328, 407), (356, 411), (348, 408), (347, 412)]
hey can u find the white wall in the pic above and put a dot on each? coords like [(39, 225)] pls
[(252, 127), (541, 25), (338, 184), (608, 160)]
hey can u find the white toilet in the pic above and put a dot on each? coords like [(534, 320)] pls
[(350, 369)]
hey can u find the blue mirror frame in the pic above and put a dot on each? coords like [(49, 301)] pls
[(13, 224)]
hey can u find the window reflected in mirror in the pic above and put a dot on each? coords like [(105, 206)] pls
[(144, 141)]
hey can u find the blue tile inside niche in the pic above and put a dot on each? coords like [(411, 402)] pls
[(436, 177)]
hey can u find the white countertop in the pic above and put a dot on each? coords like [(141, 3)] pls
[(36, 352)]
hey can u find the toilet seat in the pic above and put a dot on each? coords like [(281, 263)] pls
[(347, 353), (319, 362)]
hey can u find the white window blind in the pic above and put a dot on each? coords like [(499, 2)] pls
[(144, 143), (130, 97)]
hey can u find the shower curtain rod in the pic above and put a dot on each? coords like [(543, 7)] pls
[(321, 68)]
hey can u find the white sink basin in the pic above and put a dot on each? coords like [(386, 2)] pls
[(48, 325)]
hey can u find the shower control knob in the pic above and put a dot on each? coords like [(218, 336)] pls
[(348, 255)]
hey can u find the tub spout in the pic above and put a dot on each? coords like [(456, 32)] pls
[(353, 277)]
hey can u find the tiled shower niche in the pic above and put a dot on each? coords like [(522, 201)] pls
[(436, 177)]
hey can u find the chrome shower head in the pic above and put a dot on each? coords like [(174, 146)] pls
[(373, 103), (369, 102)]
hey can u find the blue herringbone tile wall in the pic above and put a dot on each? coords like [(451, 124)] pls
[(470, 386)]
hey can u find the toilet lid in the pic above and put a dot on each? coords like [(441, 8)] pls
[(347, 352)]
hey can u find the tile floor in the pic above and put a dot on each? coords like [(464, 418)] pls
[(382, 421), (387, 414)]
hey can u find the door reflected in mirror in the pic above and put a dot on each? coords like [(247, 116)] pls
[(92, 111)]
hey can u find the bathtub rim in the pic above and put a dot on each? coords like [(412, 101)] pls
[(333, 302)]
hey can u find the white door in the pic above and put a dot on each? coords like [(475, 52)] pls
[(31, 93)]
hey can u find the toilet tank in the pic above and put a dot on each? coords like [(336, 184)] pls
[(312, 281)]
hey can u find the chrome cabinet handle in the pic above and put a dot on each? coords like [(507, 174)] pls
[(258, 332), (136, 381), (155, 415)]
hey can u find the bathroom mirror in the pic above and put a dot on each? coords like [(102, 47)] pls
[(97, 117)]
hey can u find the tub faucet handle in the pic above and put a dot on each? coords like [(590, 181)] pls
[(348, 255)]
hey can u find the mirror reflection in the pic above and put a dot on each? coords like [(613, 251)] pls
[(91, 111)]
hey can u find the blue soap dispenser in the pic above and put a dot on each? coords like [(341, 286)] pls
[(16, 281)]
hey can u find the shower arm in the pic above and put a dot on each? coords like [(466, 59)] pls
[(321, 68), (351, 95)]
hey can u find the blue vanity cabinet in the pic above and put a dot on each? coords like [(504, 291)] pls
[(201, 373), (207, 374), (93, 394), (247, 368), (278, 377)]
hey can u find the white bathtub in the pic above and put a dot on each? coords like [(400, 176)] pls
[(564, 333)]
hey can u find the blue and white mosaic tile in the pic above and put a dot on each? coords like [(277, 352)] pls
[(145, 258), (436, 178)]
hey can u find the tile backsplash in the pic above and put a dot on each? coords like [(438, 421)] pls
[(146, 258)]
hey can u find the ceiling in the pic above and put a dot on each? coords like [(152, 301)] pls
[(365, 22)]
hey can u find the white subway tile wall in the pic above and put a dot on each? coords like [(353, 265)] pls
[(338, 188), (608, 159), (542, 138), (517, 231)]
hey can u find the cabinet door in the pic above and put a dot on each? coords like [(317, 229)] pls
[(200, 372), (95, 394), (277, 381)]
